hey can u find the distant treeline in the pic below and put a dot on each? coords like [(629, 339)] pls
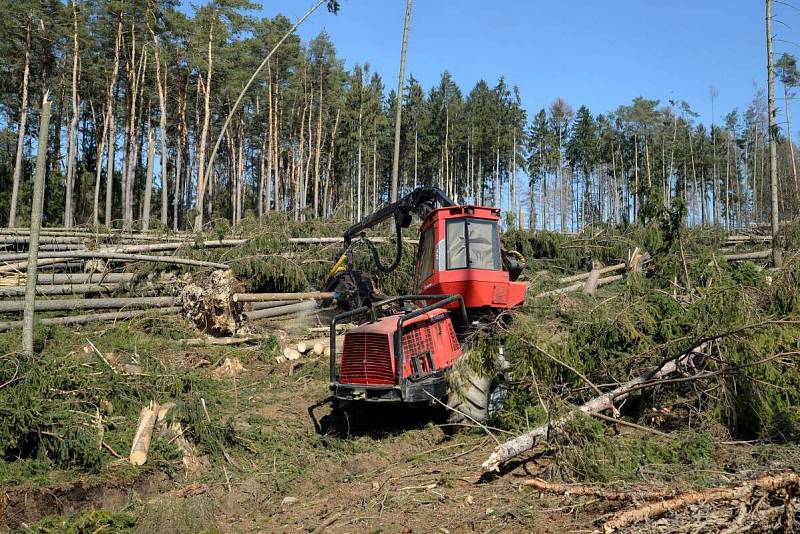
[(140, 91)]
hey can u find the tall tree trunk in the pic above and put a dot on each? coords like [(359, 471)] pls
[(268, 144), (777, 258), (791, 143), (23, 119), (148, 184), (72, 132), (201, 170), (399, 104), (107, 137), (331, 154), (162, 126), (358, 171), (318, 153)]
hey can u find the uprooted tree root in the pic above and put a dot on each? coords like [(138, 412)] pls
[(208, 302)]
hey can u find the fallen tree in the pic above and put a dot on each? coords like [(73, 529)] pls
[(579, 286), (63, 289), (48, 257), (15, 306), (524, 442), (305, 306), (584, 276), (266, 297), (770, 483)]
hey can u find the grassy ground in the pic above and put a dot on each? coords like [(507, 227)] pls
[(291, 467), (274, 459)]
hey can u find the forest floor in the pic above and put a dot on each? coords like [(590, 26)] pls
[(390, 470)]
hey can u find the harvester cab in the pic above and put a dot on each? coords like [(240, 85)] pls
[(406, 345)]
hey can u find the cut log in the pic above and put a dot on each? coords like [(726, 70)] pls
[(144, 431), (266, 297), (318, 349), (83, 278), (304, 347), (68, 289), (225, 341), (291, 354), (760, 255), (274, 304), (306, 306), (90, 304), (578, 286), (524, 442), (48, 257), (584, 276), (768, 483), (328, 240), (83, 319)]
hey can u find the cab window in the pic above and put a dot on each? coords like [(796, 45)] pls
[(472, 243), (425, 260)]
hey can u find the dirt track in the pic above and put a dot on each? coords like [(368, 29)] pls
[(379, 471)]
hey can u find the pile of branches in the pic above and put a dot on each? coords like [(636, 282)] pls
[(694, 342), (766, 503)]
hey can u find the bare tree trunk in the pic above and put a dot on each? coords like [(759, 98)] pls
[(201, 165), (162, 126), (36, 223), (319, 147), (326, 193), (358, 172), (72, 132), (107, 137), (23, 120), (148, 184), (791, 143), (98, 165), (399, 104), (777, 258)]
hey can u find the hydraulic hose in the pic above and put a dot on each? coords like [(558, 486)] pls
[(398, 254)]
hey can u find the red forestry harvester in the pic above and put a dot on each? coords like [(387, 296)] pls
[(407, 346)]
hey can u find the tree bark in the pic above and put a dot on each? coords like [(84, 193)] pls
[(23, 120), (90, 318), (162, 126), (36, 222), (12, 306), (777, 257), (201, 166), (148, 184), (399, 104), (72, 132)]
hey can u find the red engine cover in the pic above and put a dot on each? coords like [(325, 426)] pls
[(429, 344)]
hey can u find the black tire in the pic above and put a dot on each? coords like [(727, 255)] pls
[(472, 397)]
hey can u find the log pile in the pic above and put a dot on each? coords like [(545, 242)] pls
[(83, 267)]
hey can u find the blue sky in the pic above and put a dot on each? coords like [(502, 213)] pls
[(601, 53)]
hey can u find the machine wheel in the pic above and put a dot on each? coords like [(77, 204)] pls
[(471, 396)]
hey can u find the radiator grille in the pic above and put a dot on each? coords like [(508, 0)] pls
[(366, 359)]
